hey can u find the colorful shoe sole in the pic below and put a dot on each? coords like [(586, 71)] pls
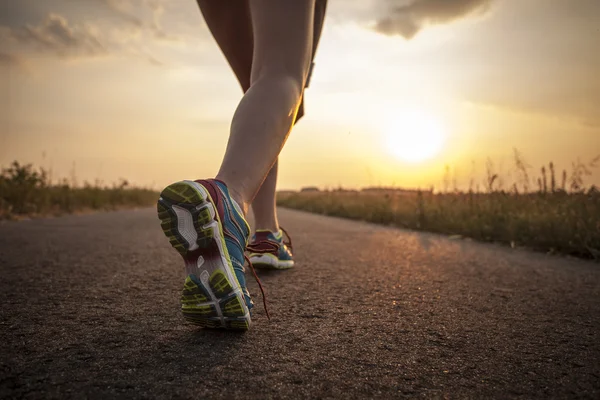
[(212, 296)]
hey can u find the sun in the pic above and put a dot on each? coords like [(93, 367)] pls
[(414, 136)]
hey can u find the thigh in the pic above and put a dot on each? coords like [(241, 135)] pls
[(230, 23), (283, 38)]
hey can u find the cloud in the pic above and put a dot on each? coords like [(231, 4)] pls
[(55, 35), (158, 10), (10, 60), (122, 9), (565, 93), (133, 13), (408, 19)]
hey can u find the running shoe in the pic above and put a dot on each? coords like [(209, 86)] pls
[(268, 250), (207, 227)]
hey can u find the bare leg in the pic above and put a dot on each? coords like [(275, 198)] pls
[(283, 34), (265, 202), (231, 25)]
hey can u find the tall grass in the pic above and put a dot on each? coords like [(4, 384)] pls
[(25, 190), (561, 216)]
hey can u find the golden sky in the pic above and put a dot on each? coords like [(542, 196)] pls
[(138, 89)]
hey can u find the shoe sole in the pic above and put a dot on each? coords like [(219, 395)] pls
[(268, 261), (212, 296)]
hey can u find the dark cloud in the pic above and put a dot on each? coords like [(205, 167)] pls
[(17, 13), (10, 60), (55, 35), (407, 19)]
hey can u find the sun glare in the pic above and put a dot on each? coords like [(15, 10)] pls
[(414, 136)]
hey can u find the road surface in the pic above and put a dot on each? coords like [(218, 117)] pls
[(90, 310)]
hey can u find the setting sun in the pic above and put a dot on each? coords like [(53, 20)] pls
[(414, 136)]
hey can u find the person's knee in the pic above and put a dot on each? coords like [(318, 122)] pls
[(292, 82)]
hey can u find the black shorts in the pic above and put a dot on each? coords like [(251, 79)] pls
[(319, 18), (320, 8)]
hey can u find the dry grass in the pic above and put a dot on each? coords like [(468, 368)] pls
[(562, 216), (27, 191)]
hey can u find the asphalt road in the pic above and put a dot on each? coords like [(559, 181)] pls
[(89, 309)]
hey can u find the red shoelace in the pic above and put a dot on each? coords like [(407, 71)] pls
[(262, 291), (289, 242), (269, 247)]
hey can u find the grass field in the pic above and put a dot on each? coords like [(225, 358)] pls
[(561, 216), (26, 191), (557, 222)]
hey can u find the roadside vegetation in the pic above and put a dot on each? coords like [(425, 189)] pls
[(27, 191), (553, 212)]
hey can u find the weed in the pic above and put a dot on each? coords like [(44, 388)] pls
[(551, 219), (27, 191)]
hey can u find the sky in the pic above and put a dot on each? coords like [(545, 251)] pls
[(401, 92)]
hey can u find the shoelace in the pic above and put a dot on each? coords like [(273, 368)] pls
[(289, 242), (262, 291), (269, 246), (273, 248)]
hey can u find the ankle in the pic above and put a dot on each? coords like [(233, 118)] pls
[(236, 196), (270, 226)]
